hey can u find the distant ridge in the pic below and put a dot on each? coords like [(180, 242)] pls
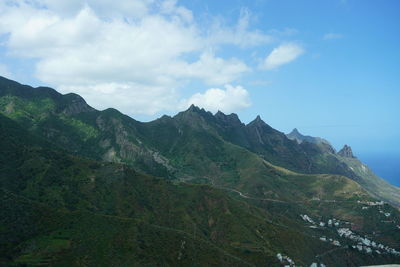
[(162, 146), (299, 138), (79, 185)]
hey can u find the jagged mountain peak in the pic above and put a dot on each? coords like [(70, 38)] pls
[(295, 131), (197, 147), (195, 115), (257, 122), (195, 109), (346, 151), (219, 112), (295, 135), (298, 137), (232, 118)]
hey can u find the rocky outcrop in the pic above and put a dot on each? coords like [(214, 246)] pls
[(258, 122), (231, 119), (323, 144), (76, 104), (346, 152), (296, 136)]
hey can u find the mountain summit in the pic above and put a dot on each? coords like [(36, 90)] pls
[(231, 119), (299, 138), (296, 136), (78, 183), (346, 151), (258, 122), (323, 144)]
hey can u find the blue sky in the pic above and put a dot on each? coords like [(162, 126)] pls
[(329, 68)]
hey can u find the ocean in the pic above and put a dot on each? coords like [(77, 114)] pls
[(386, 166)]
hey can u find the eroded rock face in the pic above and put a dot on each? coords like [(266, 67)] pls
[(122, 146), (346, 152), (323, 144), (296, 136), (77, 105), (231, 119)]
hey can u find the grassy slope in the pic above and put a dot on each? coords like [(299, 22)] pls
[(49, 236), (68, 122), (194, 145), (57, 199), (82, 194), (111, 136), (199, 154), (372, 183)]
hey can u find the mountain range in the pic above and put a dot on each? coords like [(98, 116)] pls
[(86, 187)]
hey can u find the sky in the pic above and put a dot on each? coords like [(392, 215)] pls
[(329, 68)]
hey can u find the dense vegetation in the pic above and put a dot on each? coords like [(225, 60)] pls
[(78, 187)]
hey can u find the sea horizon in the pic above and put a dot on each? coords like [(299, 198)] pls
[(385, 165)]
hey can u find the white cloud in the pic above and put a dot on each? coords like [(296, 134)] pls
[(208, 66), (332, 36), (104, 8), (238, 35), (143, 51), (128, 97), (170, 7), (282, 55), (138, 53), (5, 72), (229, 100)]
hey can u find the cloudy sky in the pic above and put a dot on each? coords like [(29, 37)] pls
[(329, 68)]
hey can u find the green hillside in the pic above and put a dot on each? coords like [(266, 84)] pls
[(78, 187), (375, 185), (64, 204), (108, 135)]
